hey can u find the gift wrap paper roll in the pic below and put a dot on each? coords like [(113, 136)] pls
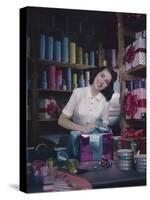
[(69, 78), (92, 58), (52, 77), (49, 47), (57, 51), (42, 46), (65, 49), (44, 80), (74, 80), (113, 61), (72, 53), (79, 55), (86, 58)]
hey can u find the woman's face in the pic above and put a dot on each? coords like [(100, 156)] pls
[(102, 80)]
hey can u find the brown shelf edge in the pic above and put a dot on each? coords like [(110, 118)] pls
[(136, 69), (62, 65)]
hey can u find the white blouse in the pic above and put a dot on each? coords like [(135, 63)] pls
[(84, 109)]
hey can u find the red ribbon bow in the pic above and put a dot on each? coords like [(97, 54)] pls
[(51, 108), (129, 56), (131, 105)]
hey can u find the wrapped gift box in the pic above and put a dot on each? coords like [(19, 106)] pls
[(141, 34), (135, 99), (94, 146), (48, 109), (135, 54)]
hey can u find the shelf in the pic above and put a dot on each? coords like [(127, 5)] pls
[(139, 70), (136, 120), (51, 120), (62, 65), (59, 91)]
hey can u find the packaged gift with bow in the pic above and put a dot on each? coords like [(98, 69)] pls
[(48, 109), (91, 146), (135, 54), (135, 99), (141, 34)]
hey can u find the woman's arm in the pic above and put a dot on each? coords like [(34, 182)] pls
[(66, 122)]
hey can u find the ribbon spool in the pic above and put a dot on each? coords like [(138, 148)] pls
[(140, 161), (125, 159)]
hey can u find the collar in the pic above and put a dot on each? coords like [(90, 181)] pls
[(98, 97)]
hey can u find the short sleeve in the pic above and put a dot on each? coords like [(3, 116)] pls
[(71, 105), (105, 114)]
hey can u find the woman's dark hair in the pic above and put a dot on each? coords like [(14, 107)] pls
[(107, 92)]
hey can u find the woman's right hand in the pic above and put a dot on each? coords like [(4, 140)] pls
[(88, 128)]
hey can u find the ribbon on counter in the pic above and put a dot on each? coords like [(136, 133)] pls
[(130, 55)]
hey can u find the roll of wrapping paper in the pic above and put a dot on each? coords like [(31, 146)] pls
[(92, 58), (81, 80), (86, 58), (65, 50), (49, 47), (74, 80), (79, 55), (113, 61), (59, 75), (101, 57), (57, 51), (72, 52), (42, 46), (52, 77), (105, 63), (87, 75), (69, 79), (44, 80)]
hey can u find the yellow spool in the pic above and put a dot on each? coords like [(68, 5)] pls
[(72, 52), (79, 55)]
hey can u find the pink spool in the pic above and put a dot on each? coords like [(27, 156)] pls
[(52, 77)]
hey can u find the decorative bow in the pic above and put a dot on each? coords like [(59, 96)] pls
[(131, 105), (129, 56), (51, 108)]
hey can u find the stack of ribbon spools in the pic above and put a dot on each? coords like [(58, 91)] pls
[(140, 161), (125, 159)]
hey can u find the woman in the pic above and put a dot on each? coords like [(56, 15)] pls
[(87, 105)]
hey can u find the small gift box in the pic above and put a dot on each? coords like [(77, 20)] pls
[(141, 34), (48, 109), (135, 54), (135, 99)]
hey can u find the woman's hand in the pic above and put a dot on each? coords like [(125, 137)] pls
[(87, 128)]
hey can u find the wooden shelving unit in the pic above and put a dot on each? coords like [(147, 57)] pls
[(137, 72)]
